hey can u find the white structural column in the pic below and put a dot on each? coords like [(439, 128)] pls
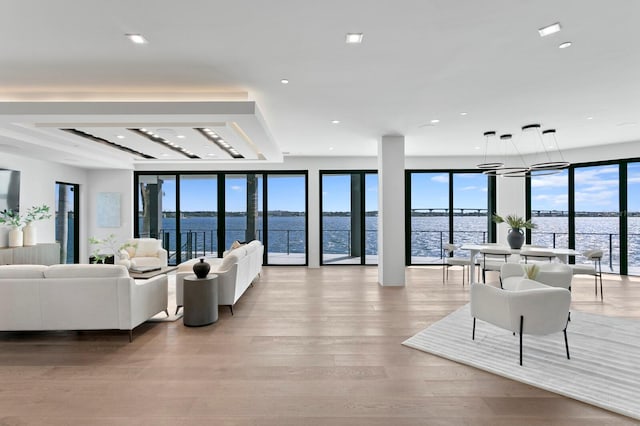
[(510, 201), (391, 262)]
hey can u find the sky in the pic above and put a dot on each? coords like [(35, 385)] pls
[(596, 189), (199, 193)]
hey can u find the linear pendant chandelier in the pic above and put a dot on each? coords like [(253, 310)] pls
[(508, 161)]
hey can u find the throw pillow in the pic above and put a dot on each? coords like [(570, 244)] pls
[(236, 244)]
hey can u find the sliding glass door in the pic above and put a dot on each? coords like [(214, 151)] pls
[(67, 221), (633, 218), (597, 207), (286, 240), (156, 216), (349, 217), (198, 215), (550, 209), (429, 216), (469, 208)]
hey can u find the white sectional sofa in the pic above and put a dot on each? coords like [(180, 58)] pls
[(77, 297), (236, 271)]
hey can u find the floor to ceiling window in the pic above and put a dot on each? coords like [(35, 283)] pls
[(202, 214), (429, 216), (446, 207), (67, 223), (633, 218), (349, 217), (286, 240), (597, 207), (243, 195), (198, 215), (371, 218), (469, 208), (157, 211), (550, 209)]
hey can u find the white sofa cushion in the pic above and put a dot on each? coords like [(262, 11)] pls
[(23, 271), (86, 271), (228, 261)]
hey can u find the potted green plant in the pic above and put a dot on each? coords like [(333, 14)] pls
[(15, 221), (34, 214), (107, 247), (516, 224)]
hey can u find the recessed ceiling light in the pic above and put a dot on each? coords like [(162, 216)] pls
[(335, 121), (330, 148), (353, 38), (211, 155), (120, 136), (589, 118), (476, 147), (137, 38), (564, 45), (549, 29), (164, 155), (284, 81), (181, 136), (464, 113), (435, 120)]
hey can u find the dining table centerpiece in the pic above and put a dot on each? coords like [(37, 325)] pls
[(516, 224)]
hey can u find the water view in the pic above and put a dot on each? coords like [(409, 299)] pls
[(429, 233)]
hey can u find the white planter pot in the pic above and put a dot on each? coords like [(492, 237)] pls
[(30, 235), (15, 237)]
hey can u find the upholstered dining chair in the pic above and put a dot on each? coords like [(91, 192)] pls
[(536, 254), (531, 308), (594, 269), (448, 260), (492, 259)]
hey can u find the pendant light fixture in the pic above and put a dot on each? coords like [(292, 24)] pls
[(547, 157), (487, 164)]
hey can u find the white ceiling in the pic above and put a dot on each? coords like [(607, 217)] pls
[(420, 60)]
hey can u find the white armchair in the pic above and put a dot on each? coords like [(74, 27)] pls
[(532, 308), (144, 252), (551, 274)]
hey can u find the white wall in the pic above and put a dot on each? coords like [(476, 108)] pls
[(118, 181), (37, 187)]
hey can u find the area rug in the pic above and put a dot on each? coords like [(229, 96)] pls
[(162, 317), (604, 369)]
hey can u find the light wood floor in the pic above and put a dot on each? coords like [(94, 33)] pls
[(305, 347)]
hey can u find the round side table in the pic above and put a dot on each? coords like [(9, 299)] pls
[(200, 300)]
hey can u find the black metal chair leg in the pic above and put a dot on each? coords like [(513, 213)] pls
[(178, 308), (473, 333), (566, 342)]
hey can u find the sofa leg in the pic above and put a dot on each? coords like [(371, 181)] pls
[(231, 307), (130, 336), (178, 308), (166, 311)]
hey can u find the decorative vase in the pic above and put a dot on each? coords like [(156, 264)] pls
[(15, 237), (515, 238), (29, 235), (201, 269)]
